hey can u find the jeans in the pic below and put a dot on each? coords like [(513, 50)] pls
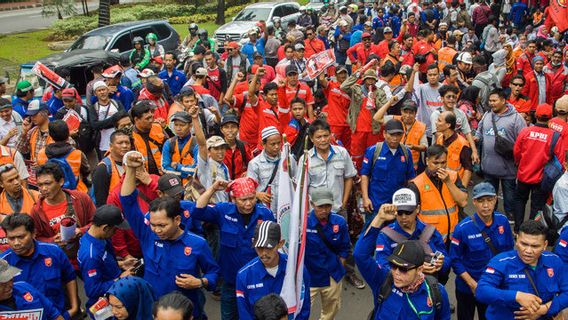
[(509, 186), (229, 309), (467, 305), (538, 200)]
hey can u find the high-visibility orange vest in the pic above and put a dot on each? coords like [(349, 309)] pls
[(7, 155), (115, 176), (28, 201), (413, 136), (433, 204), (454, 151), (445, 57), (157, 141), (33, 142), (184, 156), (74, 161)]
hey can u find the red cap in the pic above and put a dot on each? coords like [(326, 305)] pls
[(158, 59), (112, 72), (233, 45), (68, 92), (544, 111), (365, 35)]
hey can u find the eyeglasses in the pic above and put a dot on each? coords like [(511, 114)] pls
[(517, 84), (404, 212), (309, 34), (401, 269), (6, 167)]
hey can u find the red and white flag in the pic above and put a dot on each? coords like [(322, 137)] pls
[(319, 62)]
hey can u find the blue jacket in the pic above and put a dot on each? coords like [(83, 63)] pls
[(98, 266), (320, 261), (54, 104), (505, 275), (20, 106), (469, 252), (122, 94), (561, 248), (390, 173), (518, 12), (27, 298), (167, 152), (396, 305), (379, 22), (235, 238), (175, 81), (385, 245), (254, 282), (187, 221), (165, 259), (48, 270), (249, 49)]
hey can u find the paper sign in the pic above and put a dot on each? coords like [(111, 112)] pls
[(319, 62), (50, 76), (101, 309), (73, 120), (35, 314)]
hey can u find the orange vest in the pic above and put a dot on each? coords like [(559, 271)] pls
[(432, 208), (454, 151), (445, 57), (74, 161), (115, 176), (157, 135), (413, 136), (184, 157), (7, 155), (29, 200), (33, 142)]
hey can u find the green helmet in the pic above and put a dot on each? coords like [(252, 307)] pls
[(151, 36)]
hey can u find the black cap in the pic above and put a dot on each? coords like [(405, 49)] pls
[(257, 55), (199, 50), (182, 116), (229, 118), (187, 90), (291, 69), (266, 235), (409, 104), (394, 126), (110, 215), (341, 68), (170, 184), (408, 254)]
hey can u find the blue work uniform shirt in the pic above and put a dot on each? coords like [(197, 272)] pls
[(54, 104), (187, 221), (397, 305), (389, 173), (20, 106), (235, 237), (30, 304), (321, 262), (505, 276), (561, 248), (385, 245), (468, 250), (48, 270), (254, 282), (166, 259), (98, 266), (249, 49), (183, 170), (175, 81)]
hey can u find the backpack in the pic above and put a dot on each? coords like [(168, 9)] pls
[(108, 166), (486, 82), (379, 148), (552, 169), (70, 181), (86, 138)]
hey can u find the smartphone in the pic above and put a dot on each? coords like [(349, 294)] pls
[(437, 255), (138, 267)]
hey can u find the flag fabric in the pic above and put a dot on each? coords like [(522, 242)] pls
[(557, 13), (285, 192), (293, 287)]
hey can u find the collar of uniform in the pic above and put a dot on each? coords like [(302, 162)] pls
[(264, 158), (417, 231), (281, 266), (542, 262), (386, 151), (97, 243), (481, 223), (33, 256), (313, 220), (331, 153), (451, 139)]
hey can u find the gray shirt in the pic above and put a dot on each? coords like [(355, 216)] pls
[(209, 171), (428, 100), (541, 87)]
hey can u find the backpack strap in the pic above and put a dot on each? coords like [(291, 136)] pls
[(70, 210), (385, 289), (555, 137), (241, 147), (432, 282), (425, 236), (378, 149), (393, 235), (108, 165)]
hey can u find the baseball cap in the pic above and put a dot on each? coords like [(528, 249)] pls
[(458, 33), (170, 184), (409, 104), (112, 72), (252, 32), (372, 74), (24, 86), (110, 215), (68, 93), (405, 200), (544, 110), (321, 196), (387, 30), (341, 68), (408, 254), (266, 235), (483, 189), (229, 118), (99, 84), (365, 35), (368, 23), (257, 55), (299, 46), (182, 116), (146, 73), (5, 103), (394, 126), (158, 59), (465, 57), (35, 107), (290, 69), (7, 272), (201, 72), (233, 45), (442, 24), (216, 141)]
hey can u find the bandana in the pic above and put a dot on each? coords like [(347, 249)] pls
[(411, 288), (242, 187)]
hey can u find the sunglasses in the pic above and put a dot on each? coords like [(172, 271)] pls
[(309, 34), (404, 212), (517, 84), (401, 269), (6, 167), (366, 39)]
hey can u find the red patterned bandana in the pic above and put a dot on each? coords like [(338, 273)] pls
[(242, 187)]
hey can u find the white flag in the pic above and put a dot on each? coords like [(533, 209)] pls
[(285, 191)]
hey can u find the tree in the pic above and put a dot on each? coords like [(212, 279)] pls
[(59, 7), (220, 12)]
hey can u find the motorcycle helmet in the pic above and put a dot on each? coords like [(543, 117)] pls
[(151, 36), (202, 34), (137, 40), (192, 28)]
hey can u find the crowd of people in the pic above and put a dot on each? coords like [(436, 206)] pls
[(162, 182)]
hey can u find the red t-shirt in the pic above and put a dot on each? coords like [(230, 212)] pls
[(248, 130), (214, 82), (337, 104), (55, 213), (267, 116), (364, 118)]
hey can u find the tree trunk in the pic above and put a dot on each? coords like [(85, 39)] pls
[(220, 12), (59, 16), (104, 13)]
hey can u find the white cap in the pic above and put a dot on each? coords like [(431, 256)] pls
[(404, 199), (465, 57), (99, 84)]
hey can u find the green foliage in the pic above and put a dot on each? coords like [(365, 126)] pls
[(200, 18)]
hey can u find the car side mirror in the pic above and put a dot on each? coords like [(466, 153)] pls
[(115, 51)]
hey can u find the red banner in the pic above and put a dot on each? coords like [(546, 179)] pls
[(558, 13), (319, 62), (50, 76)]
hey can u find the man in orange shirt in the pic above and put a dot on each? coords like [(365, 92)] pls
[(312, 44), (15, 197), (516, 98)]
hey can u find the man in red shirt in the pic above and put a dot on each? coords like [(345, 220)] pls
[(383, 46), (524, 61), (337, 106), (531, 152), (258, 62), (516, 98), (423, 47), (292, 88), (237, 154), (362, 50), (312, 44), (560, 122), (248, 131), (558, 74), (534, 82), (267, 108), (216, 79)]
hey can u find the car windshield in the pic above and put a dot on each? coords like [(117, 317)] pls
[(255, 14), (90, 42)]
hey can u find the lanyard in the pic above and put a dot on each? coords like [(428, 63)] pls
[(419, 314)]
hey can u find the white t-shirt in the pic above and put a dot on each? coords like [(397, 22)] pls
[(104, 113), (6, 126), (272, 271)]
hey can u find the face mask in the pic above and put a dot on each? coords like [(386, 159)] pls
[(128, 129), (555, 64)]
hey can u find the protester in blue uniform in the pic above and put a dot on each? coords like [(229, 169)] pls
[(43, 265), (407, 226), (476, 240), (24, 95), (526, 283), (173, 259), (237, 221), (118, 92), (171, 75), (265, 274), (327, 248), (561, 248), (409, 293), (97, 262), (19, 300)]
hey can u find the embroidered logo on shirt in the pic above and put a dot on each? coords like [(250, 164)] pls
[(455, 241), (47, 262), (259, 221), (402, 159), (240, 294), (187, 251), (429, 302), (501, 230), (91, 273), (563, 243), (186, 214), (550, 272), (335, 228), (28, 297)]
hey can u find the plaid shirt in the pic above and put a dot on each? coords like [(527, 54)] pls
[(24, 142)]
